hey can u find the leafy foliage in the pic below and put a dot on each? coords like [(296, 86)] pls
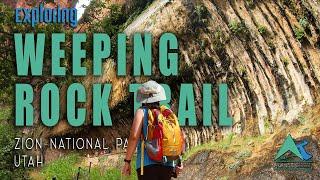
[(251, 3), (199, 17), (7, 142), (290, 3), (239, 29), (285, 61), (272, 46), (6, 147), (262, 30), (8, 73), (116, 18), (92, 11), (113, 23), (304, 23), (299, 32), (110, 24), (7, 67), (219, 40), (201, 13)]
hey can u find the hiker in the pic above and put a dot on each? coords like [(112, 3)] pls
[(157, 159)]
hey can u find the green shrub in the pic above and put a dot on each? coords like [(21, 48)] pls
[(218, 40), (304, 23), (251, 3), (67, 167), (262, 30), (242, 70), (243, 154), (285, 61), (112, 174), (231, 79), (236, 165), (290, 3), (299, 32), (8, 27), (272, 46), (7, 53), (92, 10), (199, 17), (202, 13), (239, 29), (62, 168), (97, 173), (227, 141), (5, 113), (111, 24), (6, 146), (7, 142)]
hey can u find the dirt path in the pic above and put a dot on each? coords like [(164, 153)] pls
[(253, 158)]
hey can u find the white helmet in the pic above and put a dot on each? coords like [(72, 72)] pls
[(151, 92)]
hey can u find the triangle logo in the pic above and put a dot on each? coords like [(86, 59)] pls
[(289, 145)]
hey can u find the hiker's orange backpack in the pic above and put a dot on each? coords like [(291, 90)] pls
[(164, 139)]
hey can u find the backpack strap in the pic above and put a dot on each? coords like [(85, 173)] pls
[(155, 113), (143, 137), (144, 133)]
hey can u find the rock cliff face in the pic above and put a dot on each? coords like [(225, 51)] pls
[(266, 51)]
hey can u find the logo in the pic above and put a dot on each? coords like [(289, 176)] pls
[(293, 156)]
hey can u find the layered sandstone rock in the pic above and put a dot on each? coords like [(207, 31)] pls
[(272, 72)]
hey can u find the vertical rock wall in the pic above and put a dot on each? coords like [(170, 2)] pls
[(266, 51)]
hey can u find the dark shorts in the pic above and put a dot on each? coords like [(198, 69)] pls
[(155, 172)]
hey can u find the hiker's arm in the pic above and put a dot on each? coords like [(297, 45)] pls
[(134, 134)]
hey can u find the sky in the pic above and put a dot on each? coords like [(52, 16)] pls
[(79, 6)]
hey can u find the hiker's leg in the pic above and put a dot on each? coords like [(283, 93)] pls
[(149, 172), (165, 172), (155, 172)]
